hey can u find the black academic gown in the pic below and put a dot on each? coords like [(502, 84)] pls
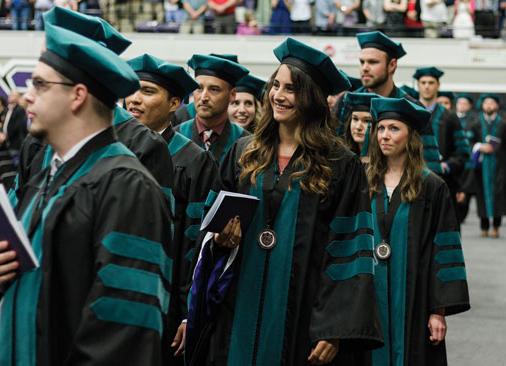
[(431, 152), (500, 179), (489, 175), (149, 147), (340, 110), (220, 147), (16, 128), (101, 231), (425, 272), (195, 172), (184, 113), (7, 170), (466, 179), (316, 284), (453, 146)]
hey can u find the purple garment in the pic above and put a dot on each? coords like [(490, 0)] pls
[(280, 19), (211, 281)]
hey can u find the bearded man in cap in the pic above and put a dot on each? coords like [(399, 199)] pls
[(488, 142), (211, 129)]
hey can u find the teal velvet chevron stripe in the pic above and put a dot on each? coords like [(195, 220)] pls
[(344, 271), (343, 225), (137, 280), (128, 313), (346, 248), (135, 247)]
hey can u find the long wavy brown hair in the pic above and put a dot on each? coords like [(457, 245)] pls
[(317, 141), (411, 184)]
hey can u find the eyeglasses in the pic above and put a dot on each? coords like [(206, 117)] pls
[(40, 84)]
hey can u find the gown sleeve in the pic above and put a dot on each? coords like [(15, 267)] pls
[(125, 313), (199, 183), (345, 306), (447, 276), (460, 150)]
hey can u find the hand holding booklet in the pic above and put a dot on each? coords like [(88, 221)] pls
[(226, 206), (12, 231), (494, 141)]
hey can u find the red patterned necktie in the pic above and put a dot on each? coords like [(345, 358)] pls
[(206, 138)]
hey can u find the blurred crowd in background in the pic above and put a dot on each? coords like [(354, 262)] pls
[(399, 18)]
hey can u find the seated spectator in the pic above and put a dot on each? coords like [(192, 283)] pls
[(89, 6), (373, 12), (300, 14), (151, 10), (280, 18), (502, 14), (434, 16), (394, 16), (194, 16), (21, 12), (249, 26), (68, 4), (412, 20), (486, 17), (174, 12), (224, 15), (463, 25), (41, 6), (325, 16), (263, 13), (347, 15)]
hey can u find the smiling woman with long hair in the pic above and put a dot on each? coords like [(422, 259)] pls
[(298, 285), (420, 275), (246, 107)]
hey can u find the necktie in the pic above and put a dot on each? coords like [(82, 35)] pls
[(206, 138), (56, 163)]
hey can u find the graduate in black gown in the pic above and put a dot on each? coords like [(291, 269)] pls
[(97, 220), (464, 110), (358, 122), (378, 58), (452, 140), (147, 145), (420, 276), (296, 288), (187, 112), (184, 113), (163, 86), (246, 107), (488, 144), (211, 128), (446, 99)]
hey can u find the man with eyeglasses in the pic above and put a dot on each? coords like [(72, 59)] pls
[(97, 220), (147, 145)]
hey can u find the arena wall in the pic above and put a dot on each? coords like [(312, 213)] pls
[(473, 66)]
